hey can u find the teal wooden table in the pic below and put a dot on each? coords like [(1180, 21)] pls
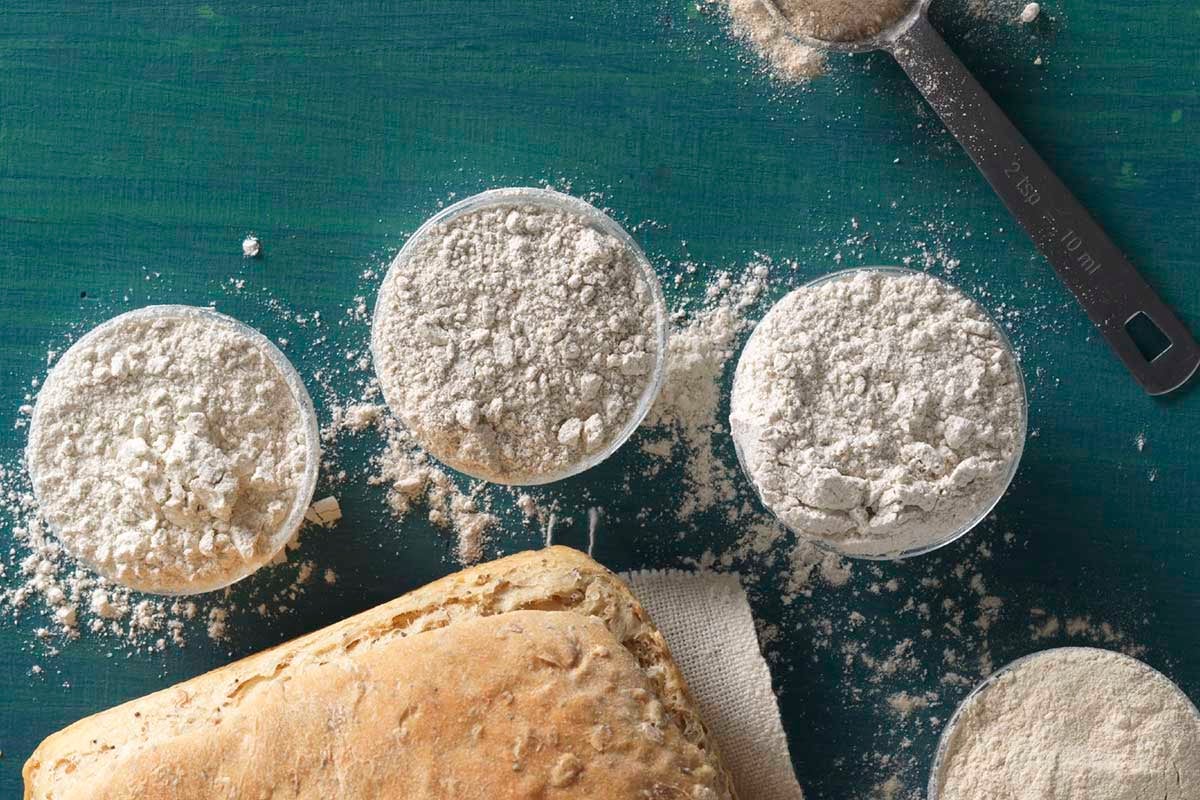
[(140, 141)]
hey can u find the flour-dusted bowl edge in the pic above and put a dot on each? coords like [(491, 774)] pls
[(545, 198), (1002, 485), (304, 406), (946, 738)]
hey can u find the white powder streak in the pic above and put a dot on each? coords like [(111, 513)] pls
[(688, 405)]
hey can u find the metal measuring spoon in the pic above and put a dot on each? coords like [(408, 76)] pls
[(1116, 298)]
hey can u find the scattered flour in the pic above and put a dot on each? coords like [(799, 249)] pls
[(1074, 724), (785, 58), (890, 789), (414, 480), (218, 619), (517, 340), (687, 407), (355, 417), (904, 704), (167, 450), (876, 411), (46, 580), (1000, 10)]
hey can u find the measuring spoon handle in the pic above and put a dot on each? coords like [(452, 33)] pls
[(1107, 286)]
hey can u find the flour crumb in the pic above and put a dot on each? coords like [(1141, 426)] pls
[(325, 512), (890, 789), (217, 624), (360, 416), (1030, 13), (1044, 627), (251, 247), (528, 506), (904, 704)]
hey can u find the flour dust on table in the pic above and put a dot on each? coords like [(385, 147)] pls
[(167, 450), (945, 621), (414, 479), (684, 422), (785, 58), (78, 602), (516, 340)]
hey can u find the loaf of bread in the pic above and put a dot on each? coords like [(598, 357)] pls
[(536, 676)]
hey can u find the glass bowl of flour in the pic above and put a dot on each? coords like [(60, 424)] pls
[(1073, 723), (520, 335), (879, 412), (173, 449)]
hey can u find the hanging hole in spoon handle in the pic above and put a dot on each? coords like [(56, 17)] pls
[(1163, 356)]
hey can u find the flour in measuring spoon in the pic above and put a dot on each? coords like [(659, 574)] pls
[(843, 20)]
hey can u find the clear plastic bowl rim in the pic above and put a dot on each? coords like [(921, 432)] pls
[(304, 407), (1002, 486), (934, 786), (545, 198)]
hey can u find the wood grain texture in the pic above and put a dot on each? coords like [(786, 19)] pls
[(140, 141)]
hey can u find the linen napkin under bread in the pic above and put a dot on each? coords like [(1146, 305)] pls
[(707, 623)]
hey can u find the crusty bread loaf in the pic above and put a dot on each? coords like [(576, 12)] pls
[(535, 676)]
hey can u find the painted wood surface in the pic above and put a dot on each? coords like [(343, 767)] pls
[(140, 141)]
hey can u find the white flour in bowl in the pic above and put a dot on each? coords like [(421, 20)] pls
[(167, 451), (879, 412), (516, 340), (1073, 724)]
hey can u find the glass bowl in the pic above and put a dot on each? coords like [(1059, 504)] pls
[(879, 550), (304, 407), (555, 201), (943, 746)]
